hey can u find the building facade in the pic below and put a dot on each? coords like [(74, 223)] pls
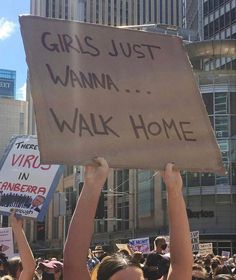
[(13, 120), (112, 12)]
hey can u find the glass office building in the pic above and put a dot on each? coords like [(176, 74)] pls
[(7, 83)]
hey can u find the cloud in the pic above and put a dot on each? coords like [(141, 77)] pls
[(6, 28), (21, 93)]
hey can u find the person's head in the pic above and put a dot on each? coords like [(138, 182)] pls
[(3, 264), (199, 273), (215, 262), (15, 267), (160, 244), (99, 252), (117, 267), (6, 277), (51, 270), (124, 253), (38, 200), (138, 257), (222, 269)]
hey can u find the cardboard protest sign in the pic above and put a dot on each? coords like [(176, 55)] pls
[(25, 184), (205, 248), (140, 244), (6, 242), (129, 96)]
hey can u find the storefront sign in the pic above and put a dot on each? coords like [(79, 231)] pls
[(200, 214)]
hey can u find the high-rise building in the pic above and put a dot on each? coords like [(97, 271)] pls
[(13, 113), (7, 83), (213, 60), (112, 12)]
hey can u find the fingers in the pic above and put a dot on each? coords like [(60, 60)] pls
[(100, 161), (169, 167), (13, 212)]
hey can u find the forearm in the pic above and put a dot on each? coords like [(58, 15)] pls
[(180, 241), (26, 255), (81, 230)]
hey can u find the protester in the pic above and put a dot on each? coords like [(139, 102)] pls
[(81, 229), (3, 264), (21, 268), (51, 270), (157, 264), (99, 253), (92, 261)]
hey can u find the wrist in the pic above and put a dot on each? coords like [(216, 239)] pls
[(173, 191)]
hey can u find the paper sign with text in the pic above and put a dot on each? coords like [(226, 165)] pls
[(225, 254), (140, 244), (6, 242), (205, 248), (195, 240), (25, 184), (129, 96)]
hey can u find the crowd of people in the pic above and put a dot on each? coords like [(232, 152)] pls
[(82, 263)]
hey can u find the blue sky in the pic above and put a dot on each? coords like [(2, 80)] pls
[(12, 55)]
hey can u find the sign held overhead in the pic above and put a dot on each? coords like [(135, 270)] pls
[(129, 96)]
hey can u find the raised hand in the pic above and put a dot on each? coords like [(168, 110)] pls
[(15, 222), (96, 174), (172, 177)]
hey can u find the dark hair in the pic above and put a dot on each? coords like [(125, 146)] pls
[(47, 276), (222, 269), (112, 264), (4, 262), (14, 265)]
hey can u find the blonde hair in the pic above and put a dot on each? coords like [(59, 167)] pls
[(6, 277)]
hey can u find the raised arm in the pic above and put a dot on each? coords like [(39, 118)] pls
[(180, 241), (26, 255), (81, 225)]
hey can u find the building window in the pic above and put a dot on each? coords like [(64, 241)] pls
[(221, 126), (122, 180), (221, 103), (208, 100), (21, 123), (145, 193), (207, 179), (233, 103), (123, 216), (55, 230), (193, 179)]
